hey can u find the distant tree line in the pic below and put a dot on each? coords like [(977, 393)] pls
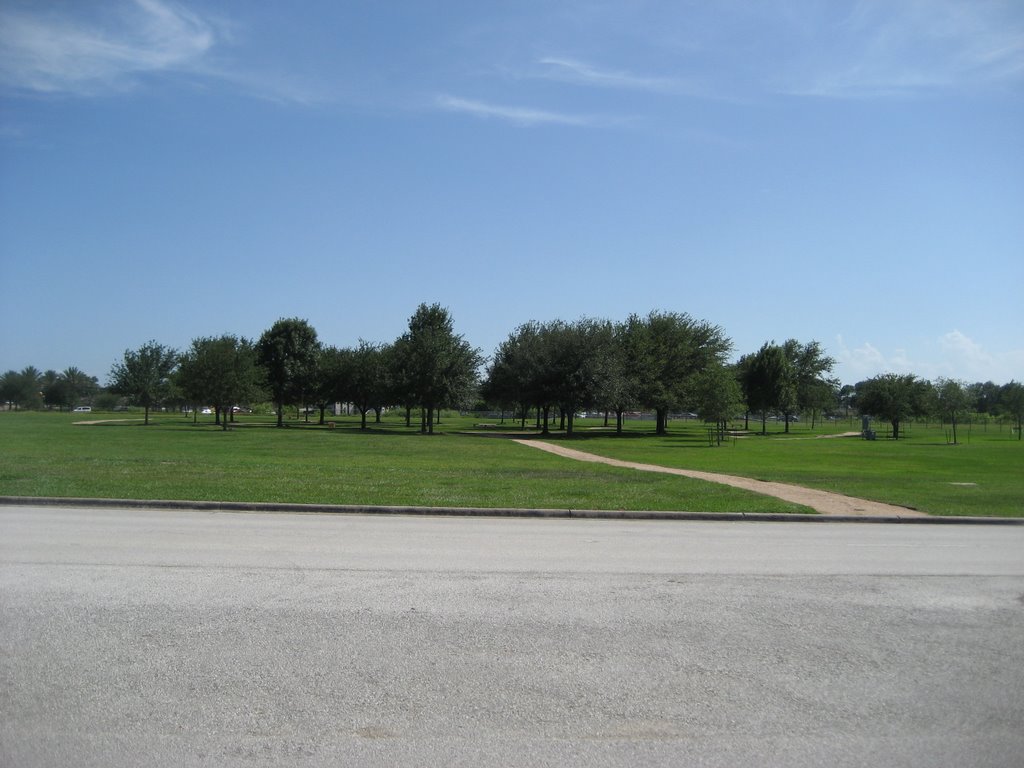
[(662, 363), (31, 388)]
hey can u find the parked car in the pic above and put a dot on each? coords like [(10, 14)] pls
[(83, 409)]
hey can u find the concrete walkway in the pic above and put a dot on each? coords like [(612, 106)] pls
[(823, 502)]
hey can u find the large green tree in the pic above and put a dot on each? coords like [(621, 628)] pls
[(69, 387), (362, 377), (327, 388), (672, 349), (22, 389), (620, 385), (513, 375), (143, 375), (574, 361), (984, 396), (952, 399), (439, 367), (220, 371), (717, 396), (893, 397), (806, 386), (765, 380), (1011, 402), (288, 352)]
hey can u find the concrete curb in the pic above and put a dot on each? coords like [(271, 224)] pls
[(592, 514)]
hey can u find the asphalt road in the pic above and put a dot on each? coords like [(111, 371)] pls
[(200, 638)]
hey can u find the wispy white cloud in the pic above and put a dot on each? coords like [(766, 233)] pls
[(82, 54), (520, 115), (883, 48), (48, 53), (572, 71)]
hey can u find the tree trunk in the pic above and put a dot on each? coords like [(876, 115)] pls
[(661, 421), (545, 429), (895, 429), (618, 421), (280, 414)]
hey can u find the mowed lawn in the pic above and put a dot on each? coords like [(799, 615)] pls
[(48, 454), (983, 475)]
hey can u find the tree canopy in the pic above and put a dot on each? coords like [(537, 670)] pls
[(219, 371), (1011, 402), (893, 397), (670, 349), (436, 366), (144, 374), (288, 351), (951, 400), (765, 381)]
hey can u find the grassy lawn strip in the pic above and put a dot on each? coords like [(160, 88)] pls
[(46, 454)]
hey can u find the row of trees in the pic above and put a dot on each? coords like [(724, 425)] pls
[(897, 398), (428, 367), (662, 363), (788, 379), (32, 388), (669, 362)]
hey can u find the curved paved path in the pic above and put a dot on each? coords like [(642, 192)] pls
[(823, 502)]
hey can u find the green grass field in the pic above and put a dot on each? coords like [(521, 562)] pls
[(47, 454), (983, 475)]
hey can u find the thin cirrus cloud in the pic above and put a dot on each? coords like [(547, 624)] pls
[(572, 71), (67, 55), (43, 52), (525, 116), (888, 49)]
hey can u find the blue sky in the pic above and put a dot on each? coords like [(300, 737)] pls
[(848, 172)]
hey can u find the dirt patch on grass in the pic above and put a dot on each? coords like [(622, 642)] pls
[(102, 421), (823, 502)]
